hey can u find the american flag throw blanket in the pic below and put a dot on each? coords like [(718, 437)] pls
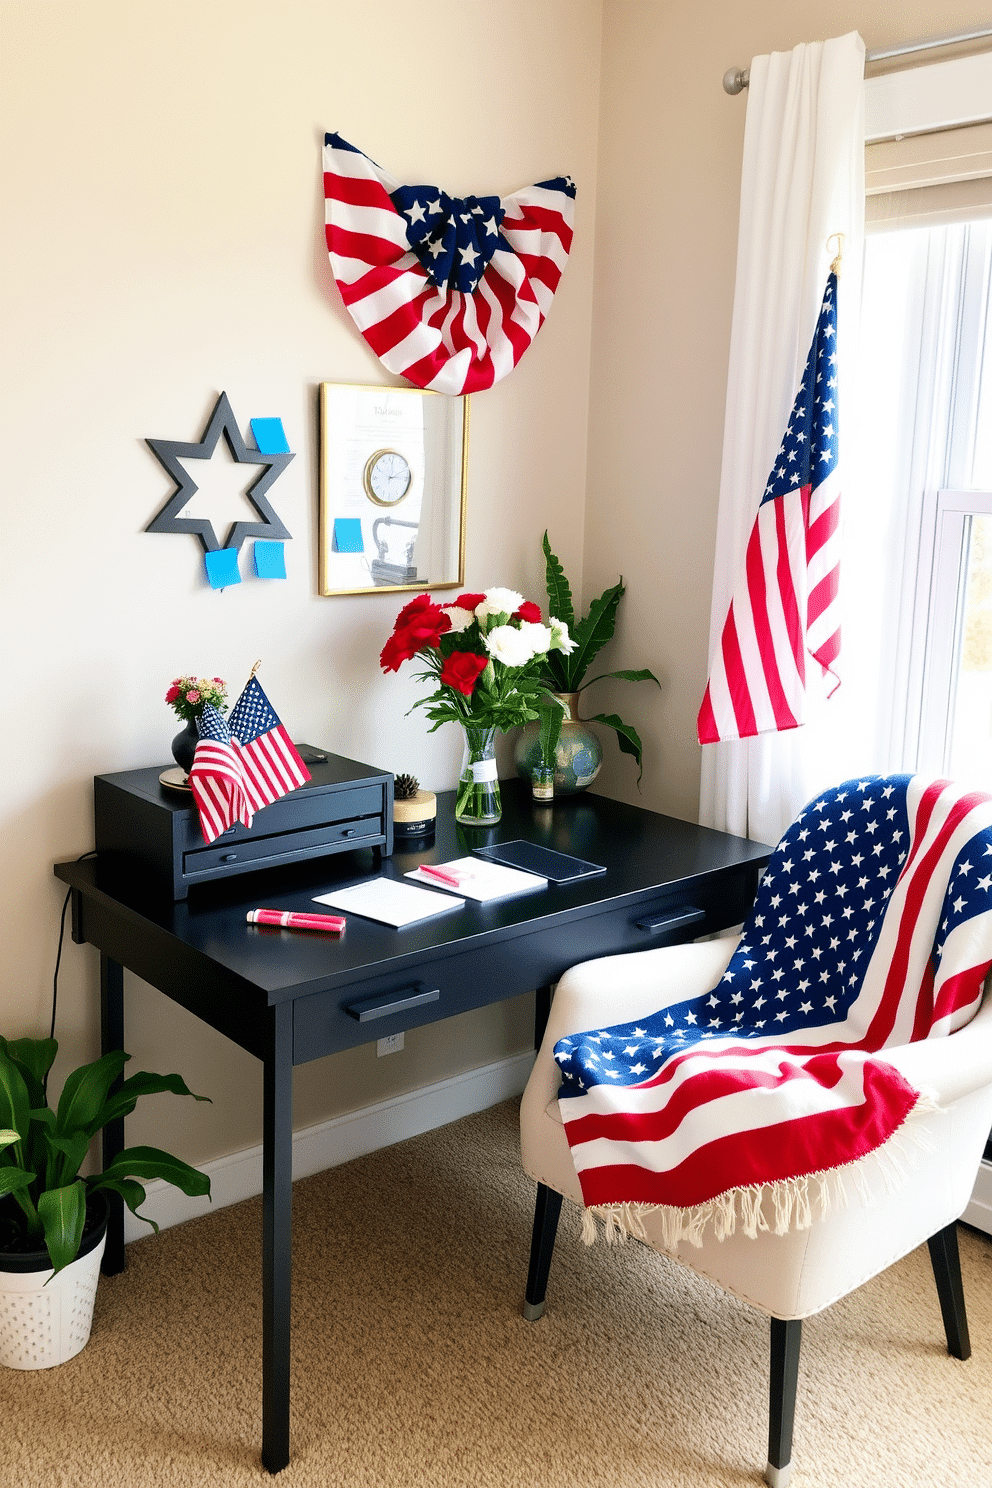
[(449, 292), (872, 928)]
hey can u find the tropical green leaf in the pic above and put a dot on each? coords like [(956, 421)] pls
[(559, 591), (63, 1214), (123, 1102), (14, 1180), (551, 713), (15, 1103), (152, 1162), (592, 633), (627, 737), (130, 1191), (34, 1058), (85, 1092), (65, 1157), (644, 674), (8, 1135)]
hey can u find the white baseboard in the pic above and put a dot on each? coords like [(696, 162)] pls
[(339, 1140), (979, 1211)]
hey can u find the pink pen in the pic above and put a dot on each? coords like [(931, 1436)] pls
[(292, 921), (445, 875)]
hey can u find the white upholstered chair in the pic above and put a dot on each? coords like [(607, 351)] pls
[(795, 1275)]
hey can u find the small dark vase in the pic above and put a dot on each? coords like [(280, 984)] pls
[(184, 746)]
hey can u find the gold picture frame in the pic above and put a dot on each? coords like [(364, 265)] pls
[(393, 489)]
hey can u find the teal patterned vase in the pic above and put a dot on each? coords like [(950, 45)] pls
[(578, 756)]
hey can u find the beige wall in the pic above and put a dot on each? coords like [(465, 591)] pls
[(669, 186), (162, 241)]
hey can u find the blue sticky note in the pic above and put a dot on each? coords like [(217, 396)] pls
[(269, 436), (270, 560), (348, 535), (222, 567)]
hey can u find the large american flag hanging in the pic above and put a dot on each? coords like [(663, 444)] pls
[(785, 603), (872, 928), (449, 292), (242, 763)]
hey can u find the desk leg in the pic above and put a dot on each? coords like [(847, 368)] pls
[(112, 1037), (542, 1012), (277, 1238)]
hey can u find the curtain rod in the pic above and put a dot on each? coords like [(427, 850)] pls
[(736, 79)]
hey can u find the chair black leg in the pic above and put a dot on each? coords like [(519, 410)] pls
[(946, 1264), (784, 1377), (542, 1245)]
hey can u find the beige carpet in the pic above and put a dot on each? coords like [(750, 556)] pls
[(412, 1364)]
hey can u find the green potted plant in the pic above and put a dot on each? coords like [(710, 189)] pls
[(52, 1221), (562, 733)]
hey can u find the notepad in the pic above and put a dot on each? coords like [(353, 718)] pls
[(389, 902), (481, 880)]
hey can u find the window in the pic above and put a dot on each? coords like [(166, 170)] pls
[(920, 578)]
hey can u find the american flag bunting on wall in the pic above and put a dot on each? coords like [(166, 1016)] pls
[(872, 928), (449, 292), (785, 604), (242, 763)]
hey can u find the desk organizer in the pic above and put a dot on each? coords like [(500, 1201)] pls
[(157, 829)]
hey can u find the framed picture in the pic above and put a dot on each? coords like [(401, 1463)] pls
[(393, 479)]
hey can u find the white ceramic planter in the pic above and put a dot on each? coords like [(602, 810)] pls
[(44, 1325)]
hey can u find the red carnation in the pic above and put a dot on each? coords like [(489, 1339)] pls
[(467, 601), (528, 612), (462, 670), (172, 694), (398, 648), (410, 611)]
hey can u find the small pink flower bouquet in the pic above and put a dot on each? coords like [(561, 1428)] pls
[(189, 695)]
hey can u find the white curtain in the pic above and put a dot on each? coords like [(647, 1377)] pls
[(802, 181)]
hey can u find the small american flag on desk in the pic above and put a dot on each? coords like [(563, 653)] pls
[(242, 763)]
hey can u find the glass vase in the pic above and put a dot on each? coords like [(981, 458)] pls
[(477, 802)]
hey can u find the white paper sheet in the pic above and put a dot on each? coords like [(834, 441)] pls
[(482, 880), (389, 902)]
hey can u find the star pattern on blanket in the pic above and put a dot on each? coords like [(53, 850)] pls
[(817, 918)]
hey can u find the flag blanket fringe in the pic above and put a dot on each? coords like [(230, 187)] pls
[(759, 1102), (783, 1205)]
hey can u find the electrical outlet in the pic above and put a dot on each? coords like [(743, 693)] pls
[(391, 1045)]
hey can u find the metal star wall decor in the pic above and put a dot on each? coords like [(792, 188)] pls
[(170, 452)]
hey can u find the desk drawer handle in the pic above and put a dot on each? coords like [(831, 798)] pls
[(677, 921), (228, 857), (392, 1002)]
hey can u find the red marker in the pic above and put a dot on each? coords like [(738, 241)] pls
[(291, 921)]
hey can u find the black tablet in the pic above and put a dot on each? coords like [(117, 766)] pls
[(556, 867)]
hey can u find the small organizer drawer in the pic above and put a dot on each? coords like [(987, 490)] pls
[(297, 810), (260, 851), (155, 830)]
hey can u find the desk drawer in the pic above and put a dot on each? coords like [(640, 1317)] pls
[(323, 1023)]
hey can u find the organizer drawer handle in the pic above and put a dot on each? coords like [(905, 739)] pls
[(392, 1002), (680, 919), (228, 857)]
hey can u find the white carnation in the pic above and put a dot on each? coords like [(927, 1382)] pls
[(509, 645), (460, 617), (499, 602), (539, 636), (560, 638)]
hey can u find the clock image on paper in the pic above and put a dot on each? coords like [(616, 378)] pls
[(387, 477)]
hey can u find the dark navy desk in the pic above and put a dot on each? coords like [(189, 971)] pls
[(284, 996)]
